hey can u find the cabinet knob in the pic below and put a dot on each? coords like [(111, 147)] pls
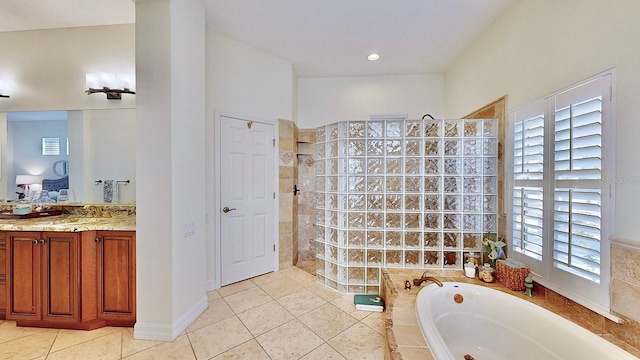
[(34, 241), (97, 239), (42, 241)]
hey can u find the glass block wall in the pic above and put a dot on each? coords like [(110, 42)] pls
[(409, 193)]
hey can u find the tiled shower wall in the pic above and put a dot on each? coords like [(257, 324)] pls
[(413, 193), (288, 204), (307, 195), (297, 214)]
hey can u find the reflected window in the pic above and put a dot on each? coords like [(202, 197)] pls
[(50, 146)]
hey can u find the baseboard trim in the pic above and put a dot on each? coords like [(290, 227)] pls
[(212, 285), (151, 331), (190, 316), (169, 332)]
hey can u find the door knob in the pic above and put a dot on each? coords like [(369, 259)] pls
[(226, 209)]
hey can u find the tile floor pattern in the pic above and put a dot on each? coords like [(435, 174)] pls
[(281, 315)]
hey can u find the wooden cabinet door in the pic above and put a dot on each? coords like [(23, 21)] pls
[(23, 276), (117, 277), (3, 276), (42, 276), (60, 276)]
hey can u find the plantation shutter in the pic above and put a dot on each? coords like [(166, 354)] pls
[(528, 157), (528, 174), (577, 191)]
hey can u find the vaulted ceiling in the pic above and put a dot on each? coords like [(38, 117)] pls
[(321, 38)]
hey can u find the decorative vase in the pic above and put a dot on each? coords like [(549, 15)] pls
[(487, 274)]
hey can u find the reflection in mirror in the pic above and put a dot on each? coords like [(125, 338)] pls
[(61, 168), (35, 141), (83, 146)]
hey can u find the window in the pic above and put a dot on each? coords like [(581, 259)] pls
[(50, 146), (561, 148)]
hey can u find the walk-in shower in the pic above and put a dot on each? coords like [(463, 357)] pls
[(402, 193)]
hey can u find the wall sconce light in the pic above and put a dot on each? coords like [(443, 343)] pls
[(114, 85), (3, 89)]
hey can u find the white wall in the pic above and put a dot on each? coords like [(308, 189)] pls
[(246, 82), (324, 101), (539, 46), (170, 171), (188, 160), (154, 238)]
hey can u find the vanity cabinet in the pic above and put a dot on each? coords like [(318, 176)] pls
[(49, 279), (116, 259), (69, 280)]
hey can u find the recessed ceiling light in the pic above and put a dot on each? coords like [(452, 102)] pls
[(373, 57)]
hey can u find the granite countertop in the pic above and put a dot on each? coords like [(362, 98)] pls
[(70, 223)]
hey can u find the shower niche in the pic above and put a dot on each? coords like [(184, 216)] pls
[(402, 193)]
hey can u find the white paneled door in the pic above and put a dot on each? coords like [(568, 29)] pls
[(246, 199)]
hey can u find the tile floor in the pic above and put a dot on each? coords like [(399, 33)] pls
[(281, 315)]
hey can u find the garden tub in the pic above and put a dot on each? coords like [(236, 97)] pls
[(465, 321)]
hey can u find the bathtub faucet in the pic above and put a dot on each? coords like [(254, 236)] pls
[(424, 278)]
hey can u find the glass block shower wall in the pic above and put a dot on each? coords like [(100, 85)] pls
[(411, 193)]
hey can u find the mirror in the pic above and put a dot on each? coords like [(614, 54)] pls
[(93, 146), (35, 140), (61, 168)]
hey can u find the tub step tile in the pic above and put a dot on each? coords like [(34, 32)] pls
[(409, 336), (415, 353), (404, 316)]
